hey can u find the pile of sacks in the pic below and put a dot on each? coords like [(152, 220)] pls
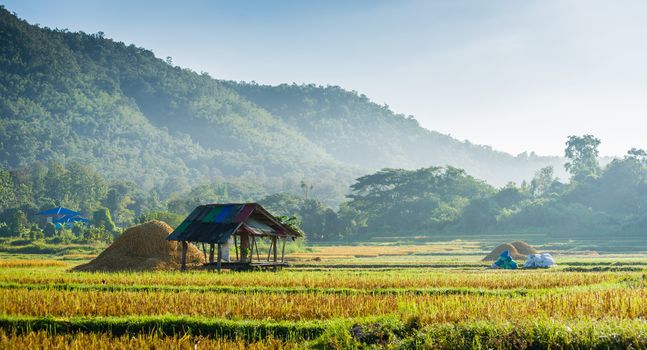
[(535, 261), (543, 260), (505, 261)]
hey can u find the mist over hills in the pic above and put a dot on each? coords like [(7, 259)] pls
[(81, 97)]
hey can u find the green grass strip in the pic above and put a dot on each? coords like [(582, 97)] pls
[(166, 325), (359, 332), (260, 290)]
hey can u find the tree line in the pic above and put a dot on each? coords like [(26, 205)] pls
[(388, 203)]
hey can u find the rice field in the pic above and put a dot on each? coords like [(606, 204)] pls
[(442, 302)]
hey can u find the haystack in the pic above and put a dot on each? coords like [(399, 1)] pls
[(494, 255), (143, 247), (524, 248)]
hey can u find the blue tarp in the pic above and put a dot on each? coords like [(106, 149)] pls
[(70, 219), (57, 211)]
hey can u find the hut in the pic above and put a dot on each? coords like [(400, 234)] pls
[(242, 225), (54, 214)]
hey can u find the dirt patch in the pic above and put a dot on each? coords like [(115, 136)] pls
[(143, 248)]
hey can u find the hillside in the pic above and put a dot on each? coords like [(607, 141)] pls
[(357, 131), (81, 97)]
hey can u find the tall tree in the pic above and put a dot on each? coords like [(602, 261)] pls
[(542, 181), (582, 153)]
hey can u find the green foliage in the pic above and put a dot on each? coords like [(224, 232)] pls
[(172, 219), (102, 217), (582, 153), (408, 201), (49, 230)]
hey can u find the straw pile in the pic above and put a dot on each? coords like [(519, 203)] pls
[(494, 255), (524, 248), (143, 247)]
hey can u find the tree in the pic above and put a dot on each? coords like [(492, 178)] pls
[(542, 181), (50, 230), (17, 222), (7, 194), (102, 217), (582, 153), (639, 155)]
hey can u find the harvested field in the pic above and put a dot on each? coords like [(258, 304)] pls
[(444, 303)]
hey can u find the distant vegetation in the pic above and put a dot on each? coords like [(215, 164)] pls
[(432, 202)]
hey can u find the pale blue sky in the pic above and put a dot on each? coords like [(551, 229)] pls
[(516, 75)]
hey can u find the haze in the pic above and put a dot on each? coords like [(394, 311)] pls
[(519, 76)]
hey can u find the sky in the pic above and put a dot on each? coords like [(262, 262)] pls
[(515, 75)]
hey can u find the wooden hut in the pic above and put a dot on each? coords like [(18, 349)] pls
[(242, 225)]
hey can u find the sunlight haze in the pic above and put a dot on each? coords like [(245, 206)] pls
[(519, 76)]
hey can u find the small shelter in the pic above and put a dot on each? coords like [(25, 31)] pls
[(55, 214), (241, 225), (70, 220)]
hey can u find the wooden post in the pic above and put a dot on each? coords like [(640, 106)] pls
[(185, 247), (274, 246), (211, 248), (245, 250), (258, 256), (236, 246), (219, 256), (204, 251), (269, 252), (283, 250)]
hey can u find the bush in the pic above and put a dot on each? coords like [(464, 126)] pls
[(172, 219), (50, 230), (103, 218)]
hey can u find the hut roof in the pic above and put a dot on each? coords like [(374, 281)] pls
[(215, 223), (71, 218), (57, 211)]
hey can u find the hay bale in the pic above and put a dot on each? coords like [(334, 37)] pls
[(494, 255), (141, 248), (524, 248)]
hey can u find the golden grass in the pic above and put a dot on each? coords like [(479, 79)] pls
[(597, 304), (79, 256), (368, 251), (409, 278), (15, 263)]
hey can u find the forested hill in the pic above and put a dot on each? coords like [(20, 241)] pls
[(357, 131), (81, 97)]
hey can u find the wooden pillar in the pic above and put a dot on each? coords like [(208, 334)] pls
[(258, 256), (245, 251), (211, 248), (236, 247), (283, 250), (185, 248), (219, 256), (274, 247)]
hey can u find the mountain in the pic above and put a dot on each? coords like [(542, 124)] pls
[(357, 131), (67, 96)]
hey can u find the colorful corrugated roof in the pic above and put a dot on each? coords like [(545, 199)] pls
[(215, 223)]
